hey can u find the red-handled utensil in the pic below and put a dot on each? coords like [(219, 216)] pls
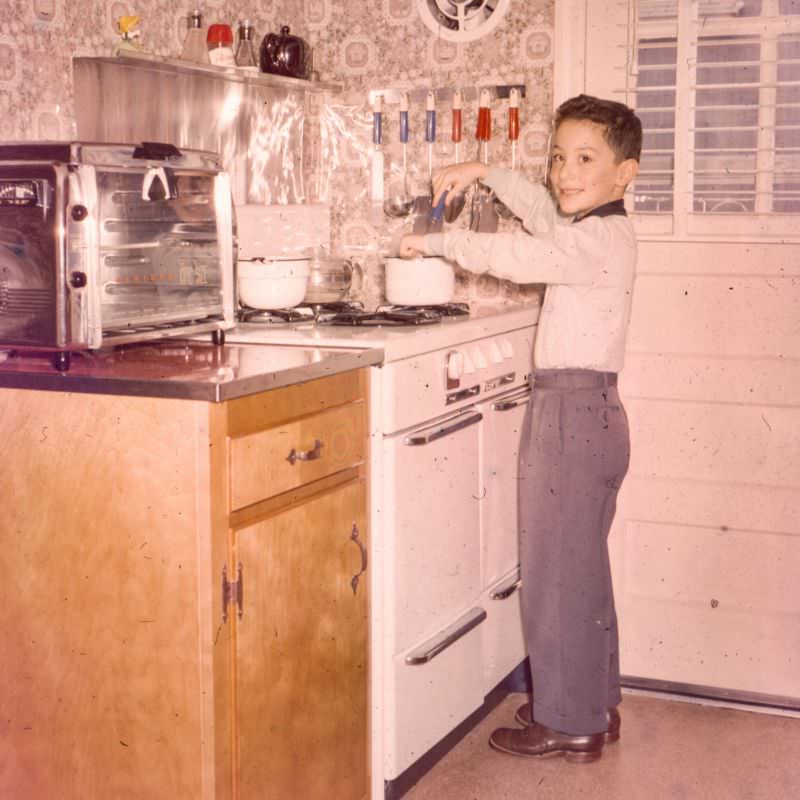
[(456, 205), (457, 126), (484, 217), (513, 125), (501, 209)]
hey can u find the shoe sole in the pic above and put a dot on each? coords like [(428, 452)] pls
[(608, 737), (571, 756)]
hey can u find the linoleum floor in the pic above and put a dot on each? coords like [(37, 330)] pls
[(669, 750)]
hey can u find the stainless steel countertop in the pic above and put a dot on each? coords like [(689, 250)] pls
[(182, 369)]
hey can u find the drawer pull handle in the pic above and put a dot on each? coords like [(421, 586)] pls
[(354, 538), (306, 455), (462, 626), (504, 592)]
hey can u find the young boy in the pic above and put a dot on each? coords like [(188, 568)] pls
[(575, 445)]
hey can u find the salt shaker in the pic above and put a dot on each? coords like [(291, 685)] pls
[(245, 49), (194, 45)]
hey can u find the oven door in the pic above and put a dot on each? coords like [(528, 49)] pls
[(432, 609), (500, 435), (162, 248)]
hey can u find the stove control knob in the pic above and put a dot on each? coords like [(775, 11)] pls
[(479, 358), (495, 356), (506, 349), (454, 368)]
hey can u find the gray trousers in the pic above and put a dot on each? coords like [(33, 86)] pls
[(574, 454)]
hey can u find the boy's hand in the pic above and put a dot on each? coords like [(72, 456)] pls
[(412, 245), (456, 178)]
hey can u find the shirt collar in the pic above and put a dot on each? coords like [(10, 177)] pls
[(614, 208)]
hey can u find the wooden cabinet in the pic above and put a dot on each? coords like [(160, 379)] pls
[(119, 675), (301, 651)]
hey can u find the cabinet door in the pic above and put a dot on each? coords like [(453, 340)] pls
[(105, 652), (301, 651)]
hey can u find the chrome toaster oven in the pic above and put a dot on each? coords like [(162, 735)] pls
[(104, 244)]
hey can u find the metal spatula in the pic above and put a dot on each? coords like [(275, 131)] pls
[(484, 218)]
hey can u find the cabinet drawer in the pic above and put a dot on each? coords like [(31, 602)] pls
[(278, 459)]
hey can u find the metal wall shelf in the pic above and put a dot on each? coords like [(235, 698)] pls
[(176, 66)]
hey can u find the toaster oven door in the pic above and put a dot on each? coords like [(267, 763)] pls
[(31, 256), (160, 248)]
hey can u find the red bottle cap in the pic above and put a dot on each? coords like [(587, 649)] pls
[(219, 34)]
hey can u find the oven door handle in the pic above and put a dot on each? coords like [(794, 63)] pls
[(512, 402), (166, 175), (431, 434), (461, 627)]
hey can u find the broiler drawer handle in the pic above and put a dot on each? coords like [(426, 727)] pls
[(461, 627), (428, 435), (306, 455)]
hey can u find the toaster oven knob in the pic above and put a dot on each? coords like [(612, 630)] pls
[(77, 280), (79, 213)]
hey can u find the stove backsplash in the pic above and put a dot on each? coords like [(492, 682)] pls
[(359, 45)]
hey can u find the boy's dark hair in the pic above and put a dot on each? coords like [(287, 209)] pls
[(623, 129)]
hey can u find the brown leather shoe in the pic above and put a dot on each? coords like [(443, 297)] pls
[(524, 717), (536, 740)]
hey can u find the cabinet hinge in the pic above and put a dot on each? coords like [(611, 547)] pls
[(232, 591)]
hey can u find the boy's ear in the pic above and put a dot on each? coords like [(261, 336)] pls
[(627, 171)]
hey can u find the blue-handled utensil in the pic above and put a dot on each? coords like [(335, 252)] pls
[(438, 211), (430, 129), (399, 202)]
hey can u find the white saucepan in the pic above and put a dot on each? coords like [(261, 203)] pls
[(273, 283), (427, 281)]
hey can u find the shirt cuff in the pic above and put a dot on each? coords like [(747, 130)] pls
[(434, 244)]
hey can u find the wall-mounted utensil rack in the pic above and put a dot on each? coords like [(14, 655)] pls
[(418, 94)]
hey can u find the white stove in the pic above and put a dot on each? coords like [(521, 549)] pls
[(447, 405), (397, 342)]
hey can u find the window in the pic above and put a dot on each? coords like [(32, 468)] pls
[(717, 86)]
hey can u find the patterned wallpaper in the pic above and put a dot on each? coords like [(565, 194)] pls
[(359, 44)]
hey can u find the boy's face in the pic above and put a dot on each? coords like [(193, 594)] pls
[(583, 172)]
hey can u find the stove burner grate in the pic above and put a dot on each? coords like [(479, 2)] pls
[(387, 317), (354, 314), (442, 309), (305, 312)]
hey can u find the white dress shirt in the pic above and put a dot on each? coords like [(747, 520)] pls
[(588, 265)]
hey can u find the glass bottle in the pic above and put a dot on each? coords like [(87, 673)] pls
[(245, 49), (195, 47)]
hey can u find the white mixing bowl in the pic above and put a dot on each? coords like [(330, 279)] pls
[(273, 283)]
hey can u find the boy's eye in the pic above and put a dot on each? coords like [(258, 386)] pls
[(585, 159), (558, 157)]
